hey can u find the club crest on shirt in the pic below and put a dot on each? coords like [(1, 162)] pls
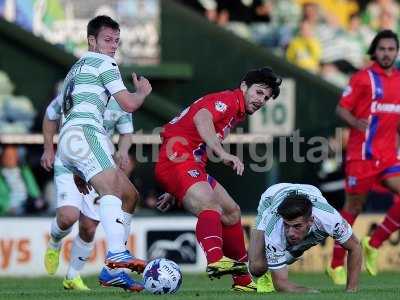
[(194, 173), (347, 91), (352, 181), (220, 106)]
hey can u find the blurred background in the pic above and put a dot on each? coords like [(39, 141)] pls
[(188, 48)]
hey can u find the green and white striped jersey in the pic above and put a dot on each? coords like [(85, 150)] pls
[(87, 88), (115, 118), (327, 222)]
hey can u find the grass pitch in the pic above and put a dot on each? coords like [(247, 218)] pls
[(384, 286)]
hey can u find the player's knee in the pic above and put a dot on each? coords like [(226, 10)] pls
[(66, 219)]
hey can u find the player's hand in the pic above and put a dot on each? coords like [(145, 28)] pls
[(122, 160), (83, 187), (361, 124), (234, 162), (142, 85), (47, 159), (165, 202)]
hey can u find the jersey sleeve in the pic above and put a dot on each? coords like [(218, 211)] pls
[(336, 226), (275, 254), (353, 93), (124, 124), (111, 77), (53, 110)]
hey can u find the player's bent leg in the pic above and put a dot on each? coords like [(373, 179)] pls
[(110, 185), (233, 237), (61, 226), (200, 200), (353, 207), (130, 197), (82, 247)]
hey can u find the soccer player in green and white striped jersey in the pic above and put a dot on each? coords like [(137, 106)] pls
[(72, 205), (84, 147), (292, 218)]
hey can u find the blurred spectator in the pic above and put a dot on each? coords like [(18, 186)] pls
[(237, 15), (388, 20), (341, 9), (284, 19), (305, 50), (357, 40), (374, 14), (19, 190)]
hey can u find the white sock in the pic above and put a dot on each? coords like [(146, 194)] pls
[(112, 219), (80, 253), (57, 234), (127, 225)]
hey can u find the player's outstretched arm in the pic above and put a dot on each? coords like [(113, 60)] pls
[(256, 253), (131, 102), (354, 260), (203, 121), (280, 278)]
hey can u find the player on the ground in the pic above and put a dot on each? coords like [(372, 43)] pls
[(73, 206), (370, 105), (292, 218), (181, 170), (84, 147)]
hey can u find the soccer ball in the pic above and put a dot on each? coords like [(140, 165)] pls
[(162, 276)]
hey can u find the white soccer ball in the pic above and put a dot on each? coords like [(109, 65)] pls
[(162, 276)]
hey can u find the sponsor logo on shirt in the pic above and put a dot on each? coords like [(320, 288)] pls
[(385, 107), (339, 230), (194, 173), (347, 91), (220, 106)]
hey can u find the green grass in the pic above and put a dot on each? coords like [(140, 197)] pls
[(384, 286)]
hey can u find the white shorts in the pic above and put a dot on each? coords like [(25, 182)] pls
[(85, 151), (66, 191), (91, 206)]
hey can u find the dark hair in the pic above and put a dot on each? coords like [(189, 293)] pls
[(295, 205), (264, 76), (384, 34), (96, 23)]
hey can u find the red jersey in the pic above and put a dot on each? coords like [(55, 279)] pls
[(373, 95), (227, 109)]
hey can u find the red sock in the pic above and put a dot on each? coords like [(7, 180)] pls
[(339, 252), (234, 247), (209, 234), (390, 224)]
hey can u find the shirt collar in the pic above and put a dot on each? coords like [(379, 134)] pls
[(99, 55), (378, 69), (242, 103)]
